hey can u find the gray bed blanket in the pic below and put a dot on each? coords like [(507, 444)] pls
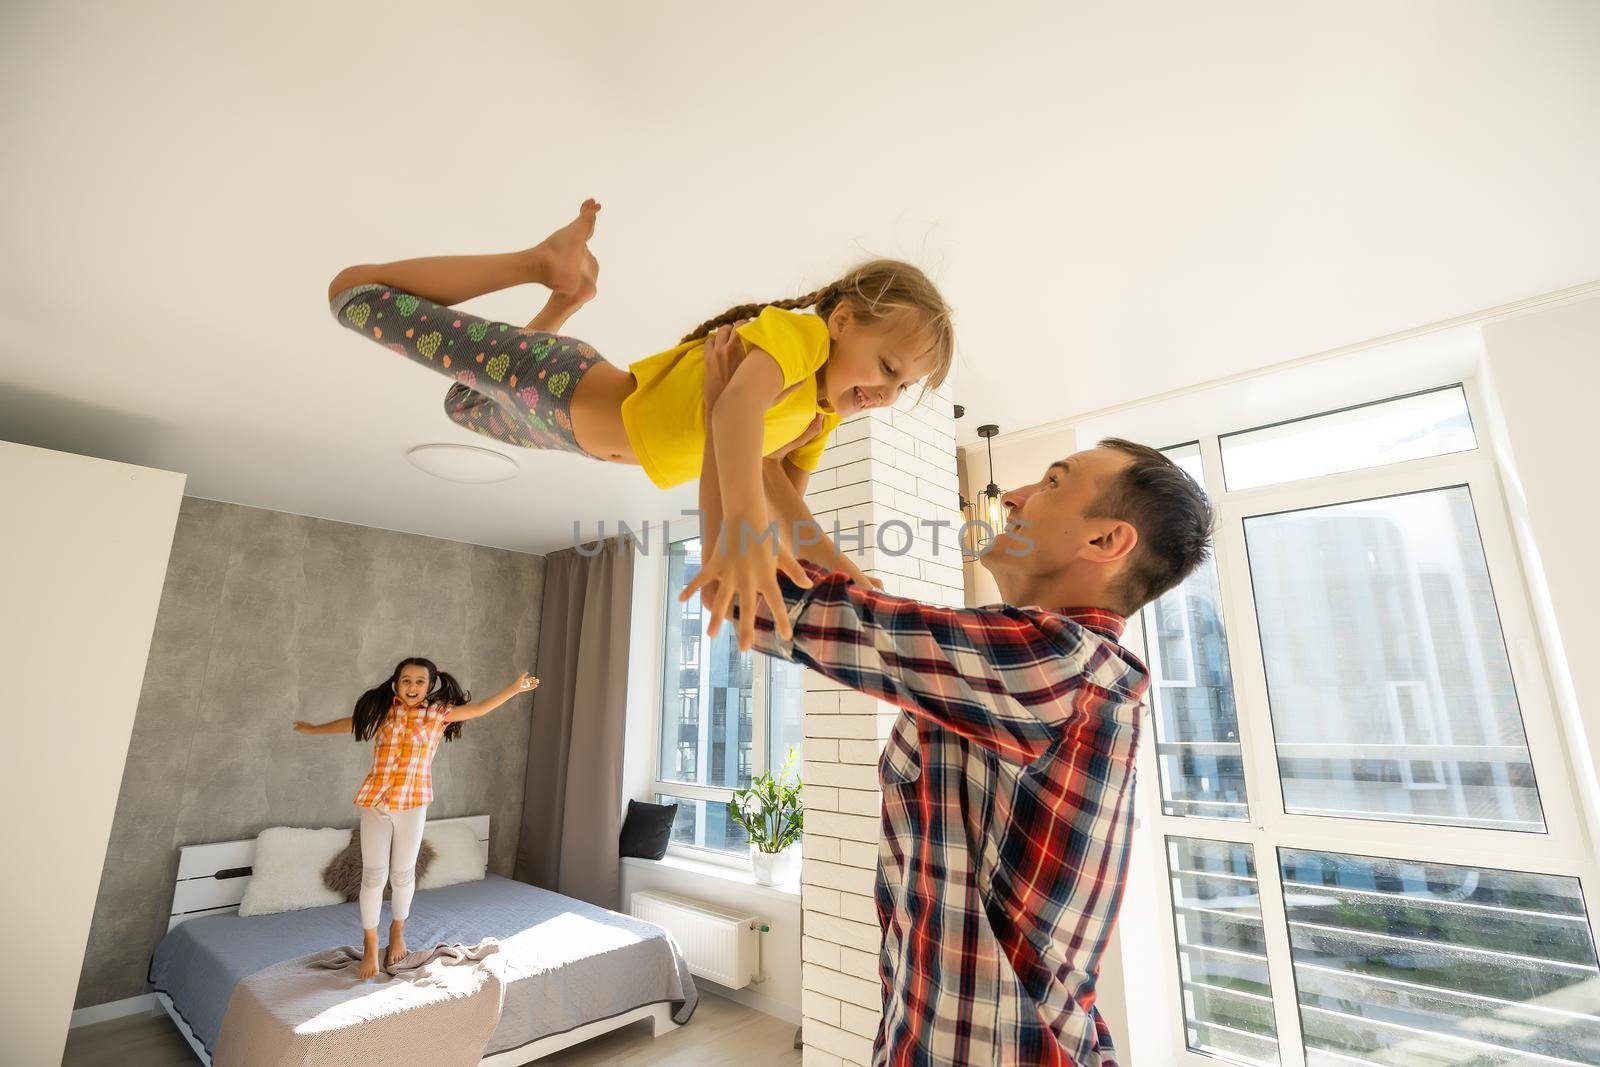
[(564, 963), (437, 1006)]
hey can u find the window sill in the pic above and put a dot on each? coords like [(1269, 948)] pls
[(789, 891)]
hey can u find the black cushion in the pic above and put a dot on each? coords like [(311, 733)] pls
[(646, 830)]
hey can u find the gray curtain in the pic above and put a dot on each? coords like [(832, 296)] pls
[(570, 801)]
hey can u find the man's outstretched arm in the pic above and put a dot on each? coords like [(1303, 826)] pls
[(992, 675)]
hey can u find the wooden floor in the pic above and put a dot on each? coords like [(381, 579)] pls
[(721, 1034)]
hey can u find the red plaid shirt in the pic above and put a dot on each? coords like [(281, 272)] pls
[(1007, 814)]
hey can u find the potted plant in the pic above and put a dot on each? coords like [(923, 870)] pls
[(771, 815)]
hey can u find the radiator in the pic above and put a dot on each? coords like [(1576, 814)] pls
[(719, 943)]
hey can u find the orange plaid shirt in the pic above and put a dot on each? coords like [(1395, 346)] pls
[(402, 758)]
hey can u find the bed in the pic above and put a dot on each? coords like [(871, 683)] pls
[(573, 970)]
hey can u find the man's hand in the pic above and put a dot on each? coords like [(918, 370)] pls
[(806, 435), (724, 351)]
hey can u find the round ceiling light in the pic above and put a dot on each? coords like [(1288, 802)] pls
[(463, 463)]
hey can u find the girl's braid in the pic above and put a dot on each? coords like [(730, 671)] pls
[(823, 300)]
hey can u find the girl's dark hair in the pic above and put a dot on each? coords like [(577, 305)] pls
[(875, 291), (373, 706)]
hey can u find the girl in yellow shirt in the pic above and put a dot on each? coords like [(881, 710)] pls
[(867, 337)]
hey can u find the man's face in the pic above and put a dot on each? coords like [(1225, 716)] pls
[(1053, 513)]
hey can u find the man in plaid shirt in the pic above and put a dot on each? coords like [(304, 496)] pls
[(1008, 777)]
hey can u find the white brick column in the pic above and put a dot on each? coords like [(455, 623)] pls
[(891, 471)]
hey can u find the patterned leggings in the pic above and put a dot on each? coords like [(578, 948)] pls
[(511, 384)]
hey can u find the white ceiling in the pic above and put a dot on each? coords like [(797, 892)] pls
[(1117, 199)]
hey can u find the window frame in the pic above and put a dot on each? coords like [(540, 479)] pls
[(1564, 848), (760, 714), (1473, 424)]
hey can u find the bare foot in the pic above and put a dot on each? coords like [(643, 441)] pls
[(369, 953), (563, 263), (397, 944)]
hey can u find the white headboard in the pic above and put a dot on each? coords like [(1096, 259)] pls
[(211, 878)]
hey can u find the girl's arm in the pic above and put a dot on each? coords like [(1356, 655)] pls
[(337, 726), (745, 562), (800, 531), (724, 352), (786, 489), (477, 709), (718, 369)]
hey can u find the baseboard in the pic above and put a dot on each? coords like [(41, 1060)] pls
[(143, 1004), (751, 999)]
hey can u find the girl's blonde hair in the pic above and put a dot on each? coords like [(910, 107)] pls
[(875, 291)]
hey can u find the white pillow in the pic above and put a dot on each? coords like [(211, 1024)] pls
[(287, 872), (457, 856)]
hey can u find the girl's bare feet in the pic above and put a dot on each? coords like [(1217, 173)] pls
[(369, 953), (563, 264), (397, 943)]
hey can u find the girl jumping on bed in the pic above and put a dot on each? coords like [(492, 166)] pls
[(406, 715), (869, 336)]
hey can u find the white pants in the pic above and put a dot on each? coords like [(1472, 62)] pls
[(386, 834)]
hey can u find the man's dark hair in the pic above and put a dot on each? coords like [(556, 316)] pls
[(1172, 514)]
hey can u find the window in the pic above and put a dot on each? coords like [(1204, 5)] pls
[(1367, 832), (1452, 964), (1222, 949), (1434, 423), (1384, 653), (704, 824), (726, 716), (1196, 725)]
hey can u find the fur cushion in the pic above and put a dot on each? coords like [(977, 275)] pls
[(343, 872), (287, 870)]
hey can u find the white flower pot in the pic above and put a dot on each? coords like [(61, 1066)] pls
[(771, 868)]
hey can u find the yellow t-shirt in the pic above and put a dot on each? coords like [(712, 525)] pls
[(666, 415)]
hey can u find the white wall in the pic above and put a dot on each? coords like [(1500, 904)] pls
[(1542, 370), (83, 554)]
